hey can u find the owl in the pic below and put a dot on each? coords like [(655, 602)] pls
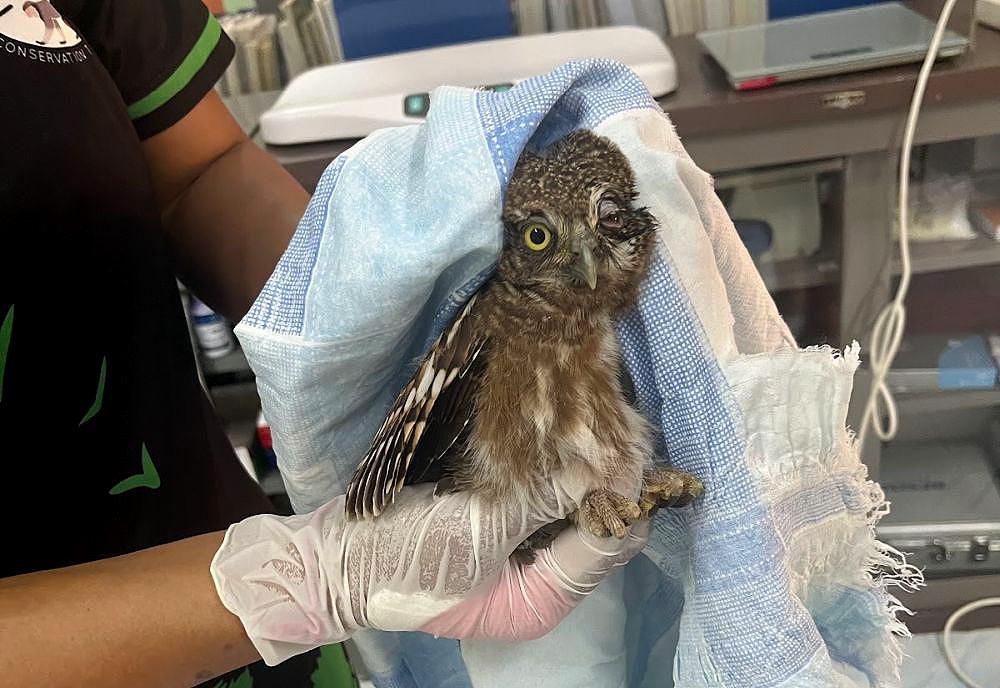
[(526, 383)]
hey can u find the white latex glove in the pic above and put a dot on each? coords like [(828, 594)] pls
[(435, 564)]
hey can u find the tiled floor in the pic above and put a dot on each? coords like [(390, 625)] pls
[(977, 652)]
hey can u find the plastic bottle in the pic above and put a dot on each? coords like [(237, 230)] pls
[(211, 330)]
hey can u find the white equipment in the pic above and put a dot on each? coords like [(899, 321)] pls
[(814, 45), (352, 99)]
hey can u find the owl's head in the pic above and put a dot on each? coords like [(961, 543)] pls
[(573, 236)]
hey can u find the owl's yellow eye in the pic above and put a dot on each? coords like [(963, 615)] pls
[(537, 236)]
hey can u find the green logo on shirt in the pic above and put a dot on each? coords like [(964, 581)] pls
[(148, 478), (99, 396), (5, 330)]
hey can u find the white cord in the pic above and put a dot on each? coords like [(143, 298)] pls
[(890, 324), (946, 636), (888, 330)]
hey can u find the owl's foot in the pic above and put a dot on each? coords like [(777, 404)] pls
[(668, 487), (605, 513)]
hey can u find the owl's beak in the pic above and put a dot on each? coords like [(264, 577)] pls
[(584, 265)]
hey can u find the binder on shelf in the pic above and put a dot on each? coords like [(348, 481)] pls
[(329, 29), (748, 12), (530, 16), (588, 14), (652, 15), (717, 14), (561, 15), (255, 67), (683, 16), (292, 51), (621, 13)]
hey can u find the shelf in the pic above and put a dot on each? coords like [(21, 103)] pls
[(934, 603), (955, 254), (946, 399), (800, 273), (776, 174)]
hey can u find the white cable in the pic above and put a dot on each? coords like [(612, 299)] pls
[(888, 330), (890, 324), (946, 637)]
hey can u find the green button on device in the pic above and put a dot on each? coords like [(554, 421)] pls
[(416, 104)]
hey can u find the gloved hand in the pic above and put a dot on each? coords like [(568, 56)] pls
[(435, 564)]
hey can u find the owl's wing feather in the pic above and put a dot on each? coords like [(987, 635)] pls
[(429, 417)]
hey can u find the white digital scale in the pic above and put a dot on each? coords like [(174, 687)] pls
[(815, 45), (352, 99)]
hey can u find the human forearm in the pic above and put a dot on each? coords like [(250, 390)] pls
[(227, 230), (151, 618), (228, 208), (154, 618)]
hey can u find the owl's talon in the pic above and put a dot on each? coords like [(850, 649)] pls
[(668, 487), (626, 509), (606, 513)]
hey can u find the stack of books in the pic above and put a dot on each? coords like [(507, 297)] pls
[(665, 17), (273, 49)]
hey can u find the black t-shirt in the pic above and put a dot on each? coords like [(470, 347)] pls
[(99, 379), (107, 440)]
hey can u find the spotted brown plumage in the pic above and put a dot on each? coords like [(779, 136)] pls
[(524, 383), (426, 420)]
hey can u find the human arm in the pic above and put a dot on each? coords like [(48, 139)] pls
[(150, 618), (155, 618), (436, 564), (229, 209)]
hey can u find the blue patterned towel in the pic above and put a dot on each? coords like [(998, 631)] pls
[(774, 578)]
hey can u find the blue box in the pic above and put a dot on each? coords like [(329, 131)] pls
[(966, 364), (381, 27), (779, 9)]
